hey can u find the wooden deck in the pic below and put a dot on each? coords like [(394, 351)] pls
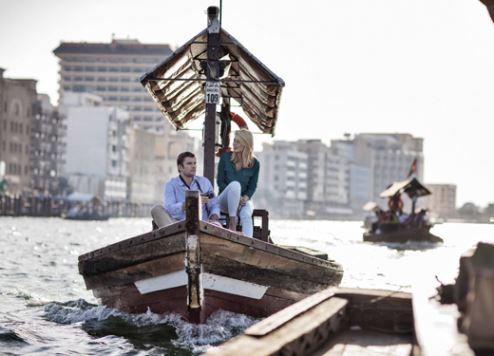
[(332, 322)]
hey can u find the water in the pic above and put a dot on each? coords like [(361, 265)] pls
[(46, 309)]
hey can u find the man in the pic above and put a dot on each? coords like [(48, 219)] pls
[(175, 188)]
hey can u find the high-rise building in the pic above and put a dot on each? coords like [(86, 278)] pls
[(112, 71)]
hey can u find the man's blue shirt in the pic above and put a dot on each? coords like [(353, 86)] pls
[(175, 197)]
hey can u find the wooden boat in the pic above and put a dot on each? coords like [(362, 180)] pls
[(401, 234), (335, 321), (85, 207), (194, 268), (414, 228)]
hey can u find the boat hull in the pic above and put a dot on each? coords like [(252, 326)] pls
[(403, 236), (159, 271)]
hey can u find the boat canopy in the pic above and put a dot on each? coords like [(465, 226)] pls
[(411, 186), (178, 83)]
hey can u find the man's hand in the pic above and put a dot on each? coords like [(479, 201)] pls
[(243, 200)]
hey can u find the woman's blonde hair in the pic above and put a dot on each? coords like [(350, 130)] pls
[(246, 157)]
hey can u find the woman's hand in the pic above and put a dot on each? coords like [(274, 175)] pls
[(243, 200)]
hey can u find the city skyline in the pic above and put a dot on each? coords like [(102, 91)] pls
[(349, 66)]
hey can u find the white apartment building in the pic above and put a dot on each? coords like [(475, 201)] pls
[(388, 157), (442, 202), (328, 179), (112, 71), (283, 180), (97, 147)]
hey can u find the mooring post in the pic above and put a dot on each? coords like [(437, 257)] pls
[(192, 255)]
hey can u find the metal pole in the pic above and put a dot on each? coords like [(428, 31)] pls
[(212, 77)]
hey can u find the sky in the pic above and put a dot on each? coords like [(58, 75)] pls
[(424, 67)]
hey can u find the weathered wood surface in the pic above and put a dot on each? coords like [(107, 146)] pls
[(229, 235), (132, 255), (297, 279), (246, 262), (403, 235), (130, 274), (301, 336), (193, 255), (270, 324), (165, 231), (320, 325)]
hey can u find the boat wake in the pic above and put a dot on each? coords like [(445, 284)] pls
[(149, 331)]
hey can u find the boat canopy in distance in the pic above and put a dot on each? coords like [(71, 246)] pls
[(177, 84), (411, 186)]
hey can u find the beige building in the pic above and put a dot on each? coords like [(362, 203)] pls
[(153, 162), (442, 202), (17, 98), (112, 71)]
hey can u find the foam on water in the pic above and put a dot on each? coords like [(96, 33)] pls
[(149, 329)]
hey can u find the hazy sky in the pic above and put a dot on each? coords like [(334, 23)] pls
[(420, 66)]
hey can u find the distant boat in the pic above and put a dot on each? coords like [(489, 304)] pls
[(388, 227), (85, 207)]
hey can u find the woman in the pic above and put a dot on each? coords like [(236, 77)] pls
[(238, 172)]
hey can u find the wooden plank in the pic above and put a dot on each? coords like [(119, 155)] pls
[(130, 274), (301, 336), (292, 280), (164, 232), (275, 321), (217, 252), (132, 255), (229, 235)]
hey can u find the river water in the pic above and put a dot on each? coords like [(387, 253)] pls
[(46, 309)]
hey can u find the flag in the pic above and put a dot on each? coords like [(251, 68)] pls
[(413, 168)]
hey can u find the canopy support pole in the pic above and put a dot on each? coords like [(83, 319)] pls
[(212, 74)]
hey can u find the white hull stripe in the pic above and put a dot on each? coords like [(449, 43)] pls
[(208, 281)]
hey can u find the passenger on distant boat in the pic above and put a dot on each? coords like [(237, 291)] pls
[(174, 199), (238, 173)]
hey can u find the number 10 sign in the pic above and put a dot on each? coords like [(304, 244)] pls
[(212, 95)]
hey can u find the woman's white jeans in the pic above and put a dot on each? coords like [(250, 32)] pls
[(229, 200)]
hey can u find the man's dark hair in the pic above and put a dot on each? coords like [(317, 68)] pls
[(181, 157)]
